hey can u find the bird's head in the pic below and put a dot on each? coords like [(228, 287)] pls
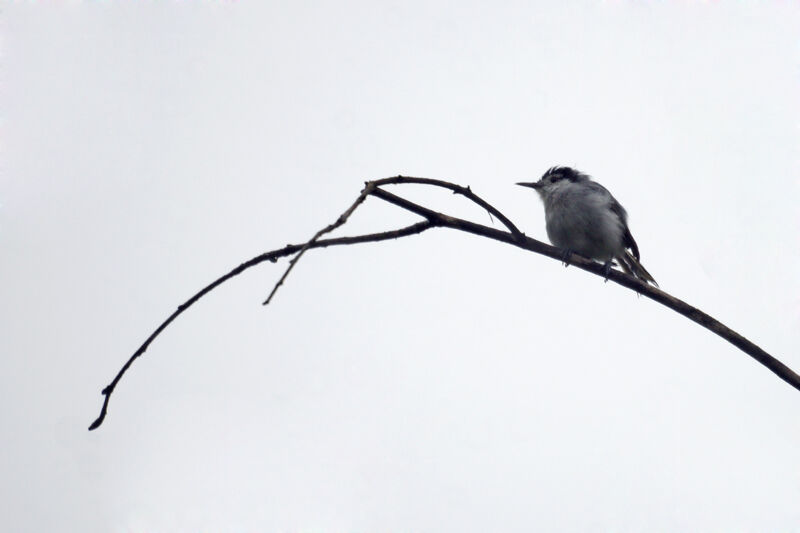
[(554, 179)]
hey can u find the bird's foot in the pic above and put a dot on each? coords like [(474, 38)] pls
[(565, 257), (607, 269)]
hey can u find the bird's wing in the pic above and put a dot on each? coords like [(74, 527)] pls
[(629, 242), (627, 238)]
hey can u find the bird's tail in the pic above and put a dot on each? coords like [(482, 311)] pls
[(632, 266)]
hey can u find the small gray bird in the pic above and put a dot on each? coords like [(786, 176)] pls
[(582, 217)]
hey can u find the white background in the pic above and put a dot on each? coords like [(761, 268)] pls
[(437, 383)]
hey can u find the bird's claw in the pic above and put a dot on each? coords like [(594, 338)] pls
[(607, 270), (565, 257)]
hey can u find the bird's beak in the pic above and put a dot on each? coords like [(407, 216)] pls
[(531, 184)]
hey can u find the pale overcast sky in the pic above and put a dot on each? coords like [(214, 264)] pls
[(440, 383)]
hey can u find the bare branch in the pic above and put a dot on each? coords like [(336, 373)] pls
[(655, 294), (273, 256), (436, 219)]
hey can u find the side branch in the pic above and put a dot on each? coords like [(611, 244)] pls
[(327, 229), (272, 256)]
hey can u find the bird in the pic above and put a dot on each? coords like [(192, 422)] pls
[(582, 217)]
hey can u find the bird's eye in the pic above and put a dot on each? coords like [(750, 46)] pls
[(555, 177)]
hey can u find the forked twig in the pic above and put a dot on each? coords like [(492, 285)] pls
[(370, 187)]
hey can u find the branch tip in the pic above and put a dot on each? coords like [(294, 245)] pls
[(271, 256)]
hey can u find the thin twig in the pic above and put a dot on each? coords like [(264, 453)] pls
[(457, 189), (273, 256), (327, 229)]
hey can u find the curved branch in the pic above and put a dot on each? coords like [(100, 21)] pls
[(273, 256), (655, 294), (436, 219)]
